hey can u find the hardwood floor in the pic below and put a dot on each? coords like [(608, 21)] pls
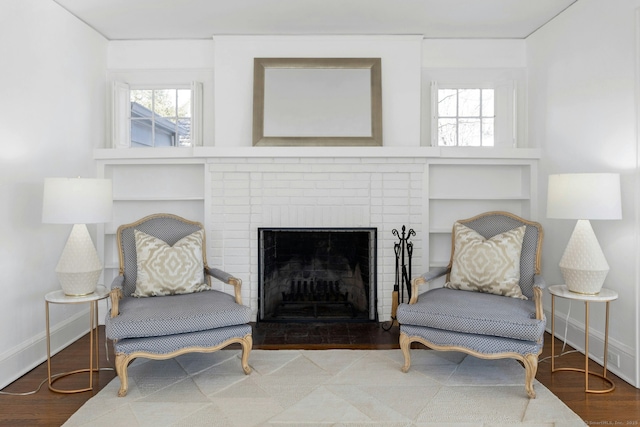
[(46, 408)]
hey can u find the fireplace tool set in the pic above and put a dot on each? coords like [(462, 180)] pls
[(403, 249)]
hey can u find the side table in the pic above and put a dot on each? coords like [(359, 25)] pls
[(59, 297), (605, 295)]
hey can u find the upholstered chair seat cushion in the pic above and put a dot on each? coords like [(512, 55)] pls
[(160, 316), (474, 313)]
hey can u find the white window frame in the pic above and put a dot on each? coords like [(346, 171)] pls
[(121, 111)]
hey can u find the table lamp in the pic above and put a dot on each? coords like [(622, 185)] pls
[(77, 201), (584, 196)]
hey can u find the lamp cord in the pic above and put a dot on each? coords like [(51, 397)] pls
[(53, 377), (564, 342), (566, 328)]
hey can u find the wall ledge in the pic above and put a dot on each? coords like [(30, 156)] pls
[(316, 152)]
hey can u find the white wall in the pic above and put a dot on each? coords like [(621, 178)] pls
[(228, 92), (583, 115), (163, 63), (401, 59), (51, 119), (409, 63), (499, 63)]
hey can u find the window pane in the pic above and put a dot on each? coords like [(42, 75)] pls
[(466, 117), (141, 131), (165, 133), (469, 100), (487, 103), (447, 132), (184, 103), (184, 132), (165, 102), (160, 117), (469, 132), (142, 97), (447, 103), (487, 132)]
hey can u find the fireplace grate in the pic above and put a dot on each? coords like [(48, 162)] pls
[(318, 297)]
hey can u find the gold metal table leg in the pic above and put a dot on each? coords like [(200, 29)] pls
[(93, 352), (586, 351), (612, 386)]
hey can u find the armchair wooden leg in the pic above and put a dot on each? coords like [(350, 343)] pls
[(531, 367), (122, 363), (405, 346), (247, 343)]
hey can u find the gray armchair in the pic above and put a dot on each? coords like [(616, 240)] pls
[(472, 316), (163, 321)]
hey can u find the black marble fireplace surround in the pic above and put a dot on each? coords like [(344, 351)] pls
[(317, 274)]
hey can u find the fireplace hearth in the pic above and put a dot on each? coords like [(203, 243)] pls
[(317, 274)]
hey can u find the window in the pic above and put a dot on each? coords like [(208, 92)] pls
[(160, 116), (474, 107), (465, 117)]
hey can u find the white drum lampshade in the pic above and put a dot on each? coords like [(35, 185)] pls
[(78, 201), (584, 196)]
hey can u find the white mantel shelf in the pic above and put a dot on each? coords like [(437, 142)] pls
[(316, 152)]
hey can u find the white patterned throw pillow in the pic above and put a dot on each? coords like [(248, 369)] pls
[(169, 270), (487, 265)]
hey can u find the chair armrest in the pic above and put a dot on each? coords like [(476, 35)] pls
[(116, 294), (228, 279), (538, 281), (539, 285), (425, 278)]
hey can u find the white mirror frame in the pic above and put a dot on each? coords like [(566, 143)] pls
[(372, 64)]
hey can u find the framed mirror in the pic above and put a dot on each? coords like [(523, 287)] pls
[(317, 101)]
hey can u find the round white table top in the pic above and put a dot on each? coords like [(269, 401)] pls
[(59, 297), (564, 292)]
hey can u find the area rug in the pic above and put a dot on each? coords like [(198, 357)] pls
[(325, 388)]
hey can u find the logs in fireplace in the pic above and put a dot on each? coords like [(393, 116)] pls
[(315, 297), (317, 274)]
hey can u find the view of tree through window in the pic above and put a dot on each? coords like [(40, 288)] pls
[(466, 117), (160, 117)]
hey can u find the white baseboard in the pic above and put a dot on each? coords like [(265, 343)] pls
[(623, 365), (22, 358)]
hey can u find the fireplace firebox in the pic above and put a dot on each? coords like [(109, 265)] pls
[(317, 274)]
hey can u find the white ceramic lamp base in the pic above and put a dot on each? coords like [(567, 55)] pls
[(583, 264), (79, 267)]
